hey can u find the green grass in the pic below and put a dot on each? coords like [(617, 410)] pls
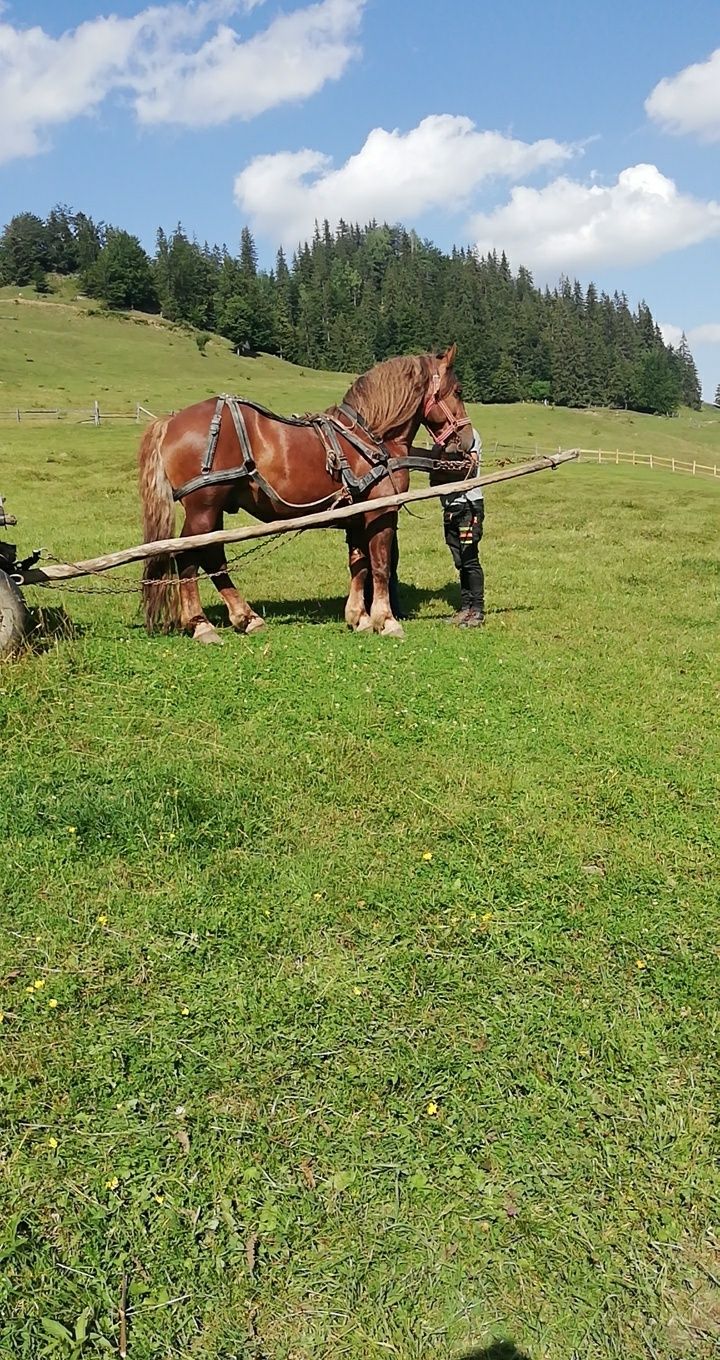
[(64, 353), (314, 1093)]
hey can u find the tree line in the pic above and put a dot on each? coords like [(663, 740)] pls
[(356, 295)]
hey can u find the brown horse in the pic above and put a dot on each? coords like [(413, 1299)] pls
[(223, 455)]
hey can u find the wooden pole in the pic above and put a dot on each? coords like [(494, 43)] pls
[(67, 571)]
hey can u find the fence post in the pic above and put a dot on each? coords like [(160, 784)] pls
[(96, 413), (617, 457), (17, 412), (673, 465), (651, 461), (633, 457), (693, 467)]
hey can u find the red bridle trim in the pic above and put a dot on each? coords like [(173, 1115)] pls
[(452, 423)]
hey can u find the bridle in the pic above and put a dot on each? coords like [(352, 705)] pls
[(453, 424)]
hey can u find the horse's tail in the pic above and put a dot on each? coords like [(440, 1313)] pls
[(160, 593)]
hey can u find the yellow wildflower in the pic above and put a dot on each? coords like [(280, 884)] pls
[(317, 897), (432, 1108), (72, 830), (486, 916), (102, 919), (112, 1184), (2, 1016), (184, 1010), (52, 1143), (30, 990), (52, 1003), (159, 1199), (640, 964), (427, 855), (38, 984), (357, 991)]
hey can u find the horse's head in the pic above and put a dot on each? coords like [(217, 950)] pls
[(444, 414)]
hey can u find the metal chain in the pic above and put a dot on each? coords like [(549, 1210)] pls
[(268, 546)]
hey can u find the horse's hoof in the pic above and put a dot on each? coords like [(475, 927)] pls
[(364, 624), (391, 628), (254, 625), (205, 633)]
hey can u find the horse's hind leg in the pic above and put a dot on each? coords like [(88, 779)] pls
[(192, 615), (242, 615)]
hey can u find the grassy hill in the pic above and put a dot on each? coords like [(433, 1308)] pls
[(66, 352), (360, 999)]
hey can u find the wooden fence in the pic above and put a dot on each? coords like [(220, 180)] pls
[(651, 460), (73, 415), (498, 453)]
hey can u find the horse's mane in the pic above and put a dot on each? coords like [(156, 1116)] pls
[(389, 394)]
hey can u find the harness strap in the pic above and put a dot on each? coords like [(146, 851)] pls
[(328, 428), (242, 434), (213, 435)]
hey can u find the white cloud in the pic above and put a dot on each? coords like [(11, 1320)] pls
[(671, 334), (570, 225), (707, 334), (394, 175), (689, 101), (181, 63), (227, 78)]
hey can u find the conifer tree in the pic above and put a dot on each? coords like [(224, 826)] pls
[(690, 390), (122, 275), (23, 249)]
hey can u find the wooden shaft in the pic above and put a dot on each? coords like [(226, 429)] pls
[(66, 571)]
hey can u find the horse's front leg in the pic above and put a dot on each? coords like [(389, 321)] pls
[(356, 615), (381, 532)]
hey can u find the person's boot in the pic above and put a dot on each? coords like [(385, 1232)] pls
[(474, 618), (458, 620)]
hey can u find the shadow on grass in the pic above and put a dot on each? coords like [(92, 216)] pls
[(497, 1350), (331, 609), (48, 626)]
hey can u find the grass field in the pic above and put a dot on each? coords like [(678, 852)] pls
[(360, 998)]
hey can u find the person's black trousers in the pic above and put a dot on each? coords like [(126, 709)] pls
[(463, 531)]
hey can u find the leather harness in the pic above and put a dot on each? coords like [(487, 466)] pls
[(327, 427)]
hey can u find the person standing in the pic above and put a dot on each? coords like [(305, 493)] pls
[(463, 519)]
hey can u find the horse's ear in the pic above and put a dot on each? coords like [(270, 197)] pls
[(450, 356)]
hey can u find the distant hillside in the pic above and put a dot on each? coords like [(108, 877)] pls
[(63, 351), (356, 295)]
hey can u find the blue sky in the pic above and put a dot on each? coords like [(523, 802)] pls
[(582, 139)]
